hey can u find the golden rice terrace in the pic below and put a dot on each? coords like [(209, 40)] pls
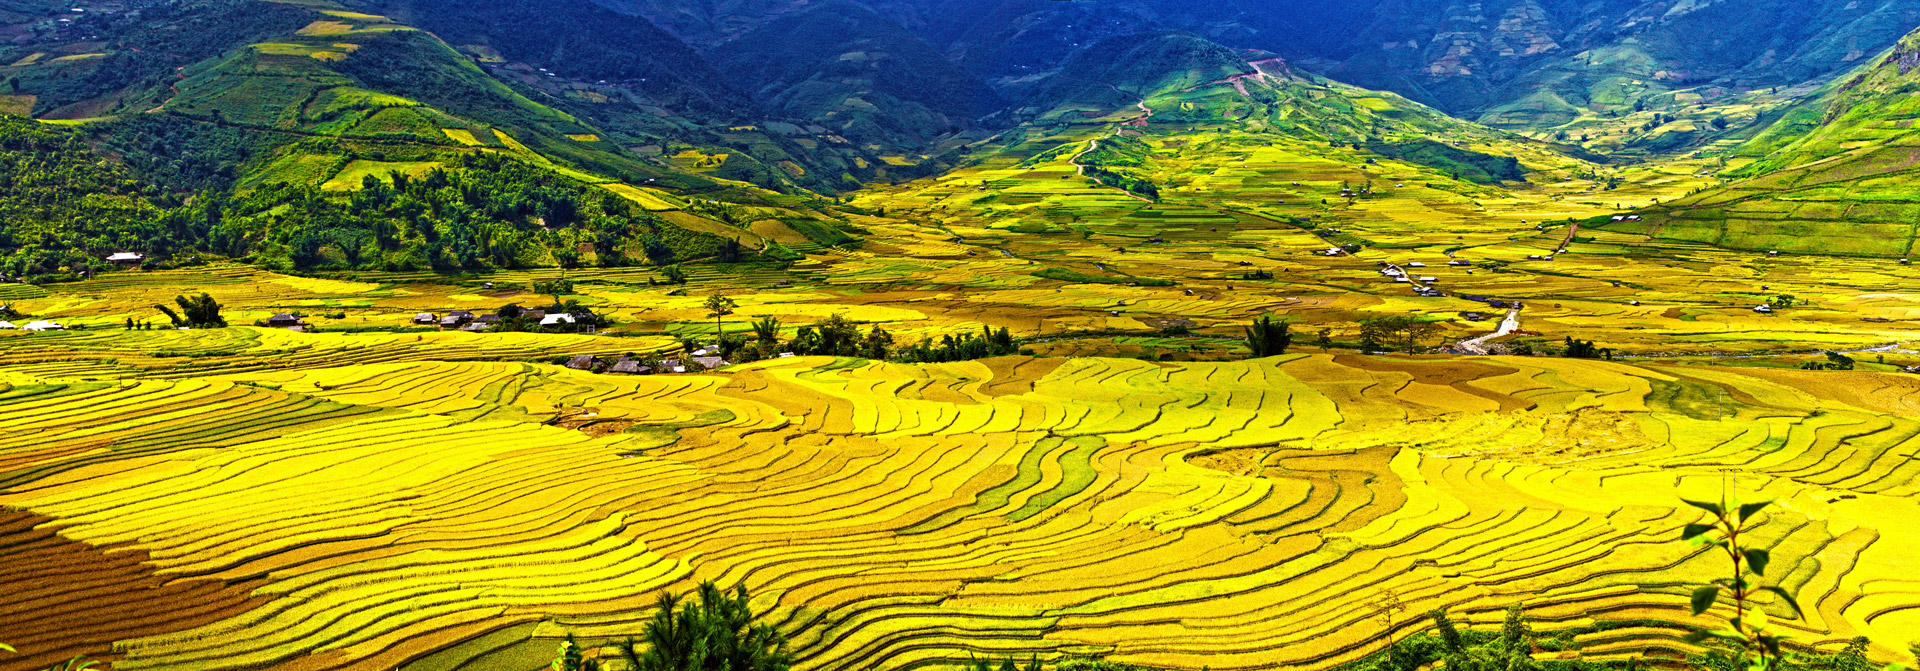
[(1267, 514)]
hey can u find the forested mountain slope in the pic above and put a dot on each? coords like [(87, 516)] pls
[(847, 68)]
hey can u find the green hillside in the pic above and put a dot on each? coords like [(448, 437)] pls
[(1834, 175), (303, 137)]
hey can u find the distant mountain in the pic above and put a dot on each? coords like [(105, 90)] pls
[(848, 68), (1189, 81), (1119, 70), (1524, 64), (1834, 175), (581, 41)]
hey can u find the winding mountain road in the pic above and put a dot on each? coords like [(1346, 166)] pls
[(1094, 144)]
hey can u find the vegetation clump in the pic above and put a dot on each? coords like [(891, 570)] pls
[(714, 630), (200, 311), (1267, 337)]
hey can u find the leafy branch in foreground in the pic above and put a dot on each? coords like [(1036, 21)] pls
[(1757, 645)]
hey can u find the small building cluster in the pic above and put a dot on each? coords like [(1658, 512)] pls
[(705, 358), (470, 321), (36, 325)]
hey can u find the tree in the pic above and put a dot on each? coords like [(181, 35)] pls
[(675, 275), (571, 659), (838, 337), (1403, 333), (555, 288), (1007, 664), (716, 632), (200, 311), (877, 344), (1835, 361), (806, 341), (1324, 339), (766, 334), (719, 305), (1752, 642), (730, 251), (1000, 343), (1268, 338), (1786, 301), (731, 344), (1581, 349)]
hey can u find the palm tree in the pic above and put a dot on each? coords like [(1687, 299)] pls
[(767, 332), (1268, 338)]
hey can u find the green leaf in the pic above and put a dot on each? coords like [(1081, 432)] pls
[(1709, 507), (7, 648), (1772, 643), (1757, 559), (1747, 510), (1693, 531), (1703, 598), (1784, 596)]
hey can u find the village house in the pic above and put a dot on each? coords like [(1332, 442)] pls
[(629, 366), (126, 258), (426, 319), (586, 362), (285, 320), (456, 319)]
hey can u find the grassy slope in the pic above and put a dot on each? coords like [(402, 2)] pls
[(1834, 175)]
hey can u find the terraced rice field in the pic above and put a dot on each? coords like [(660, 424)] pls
[(336, 507)]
